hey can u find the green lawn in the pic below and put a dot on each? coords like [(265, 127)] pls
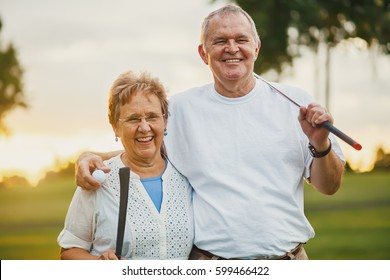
[(31, 219), (353, 224)]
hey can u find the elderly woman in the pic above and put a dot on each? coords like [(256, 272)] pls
[(159, 221)]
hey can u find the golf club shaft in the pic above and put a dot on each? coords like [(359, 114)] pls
[(326, 124), (124, 178)]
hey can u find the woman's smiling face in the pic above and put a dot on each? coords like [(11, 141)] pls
[(141, 127)]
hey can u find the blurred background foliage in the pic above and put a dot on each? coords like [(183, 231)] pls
[(11, 83)]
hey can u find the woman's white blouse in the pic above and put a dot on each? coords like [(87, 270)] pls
[(92, 219)]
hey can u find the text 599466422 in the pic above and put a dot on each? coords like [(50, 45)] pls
[(211, 270), (229, 270)]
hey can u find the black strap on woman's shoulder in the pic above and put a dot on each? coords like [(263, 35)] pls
[(124, 179)]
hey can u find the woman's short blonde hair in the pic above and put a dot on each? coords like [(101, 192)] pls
[(129, 83)]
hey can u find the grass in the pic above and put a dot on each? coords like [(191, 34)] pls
[(32, 218), (351, 225)]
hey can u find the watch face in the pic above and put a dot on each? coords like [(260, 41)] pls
[(312, 150)]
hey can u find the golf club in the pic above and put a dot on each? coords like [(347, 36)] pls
[(325, 124), (124, 178)]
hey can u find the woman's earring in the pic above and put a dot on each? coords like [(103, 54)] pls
[(165, 132), (116, 138)]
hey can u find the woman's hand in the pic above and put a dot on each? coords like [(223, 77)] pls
[(109, 255)]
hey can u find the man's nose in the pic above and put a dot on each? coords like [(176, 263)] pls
[(231, 47)]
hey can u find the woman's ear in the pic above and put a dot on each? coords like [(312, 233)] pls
[(116, 130)]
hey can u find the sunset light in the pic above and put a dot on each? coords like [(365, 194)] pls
[(68, 74)]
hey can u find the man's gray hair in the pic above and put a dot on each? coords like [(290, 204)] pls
[(225, 10)]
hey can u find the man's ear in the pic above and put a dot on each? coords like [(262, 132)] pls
[(202, 54), (258, 48)]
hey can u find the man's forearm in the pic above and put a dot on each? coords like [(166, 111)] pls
[(326, 173), (103, 155), (108, 155)]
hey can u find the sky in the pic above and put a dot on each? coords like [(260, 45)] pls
[(73, 50)]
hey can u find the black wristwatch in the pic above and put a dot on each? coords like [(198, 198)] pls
[(316, 154)]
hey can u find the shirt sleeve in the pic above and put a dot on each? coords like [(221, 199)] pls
[(79, 226)]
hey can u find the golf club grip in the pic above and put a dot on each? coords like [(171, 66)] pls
[(124, 178), (326, 124), (341, 135)]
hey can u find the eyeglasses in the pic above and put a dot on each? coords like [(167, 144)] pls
[(136, 120)]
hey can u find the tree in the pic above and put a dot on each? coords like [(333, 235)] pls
[(285, 25), (382, 161), (11, 86), (14, 181)]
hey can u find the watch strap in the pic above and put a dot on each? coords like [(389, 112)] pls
[(317, 154)]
